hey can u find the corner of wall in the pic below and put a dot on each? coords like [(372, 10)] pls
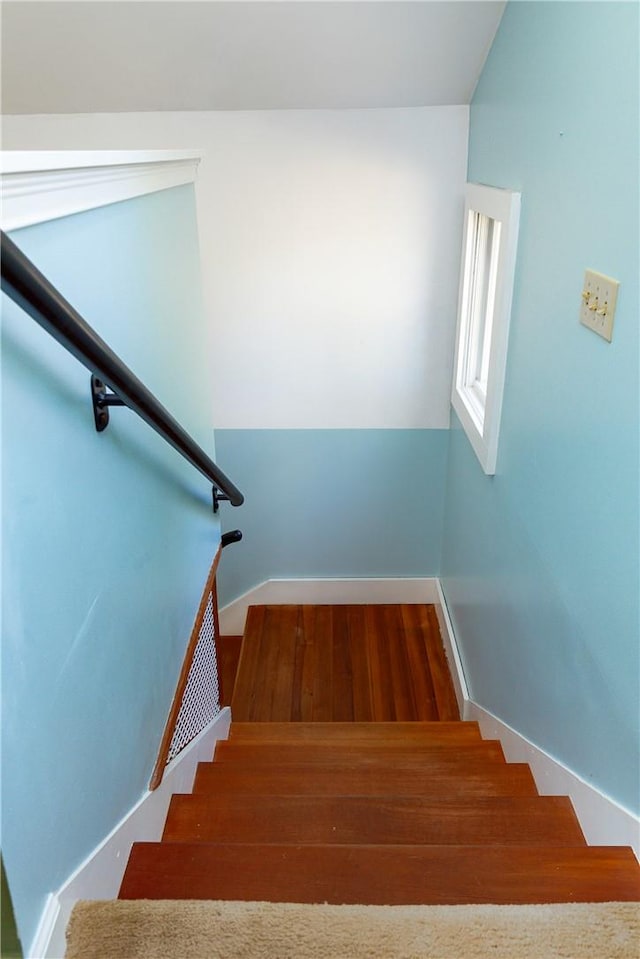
[(603, 821), (100, 875)]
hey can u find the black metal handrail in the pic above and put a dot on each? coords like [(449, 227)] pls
[(31, 290)]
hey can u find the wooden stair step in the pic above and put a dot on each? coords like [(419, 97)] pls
[(427, 733), (372, 820), (407, 778), (381, 875), (276, 753)]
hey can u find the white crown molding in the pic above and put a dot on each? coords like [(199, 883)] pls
[(37, 186)]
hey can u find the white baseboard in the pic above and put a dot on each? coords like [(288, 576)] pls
[(451, 650), (100, 875), (47, 929), (603, 821), (337, 592)]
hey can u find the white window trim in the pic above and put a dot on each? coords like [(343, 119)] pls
[(480, 415), (42, 185)]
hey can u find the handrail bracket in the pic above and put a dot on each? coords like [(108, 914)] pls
[(218, 497), (101, 401)]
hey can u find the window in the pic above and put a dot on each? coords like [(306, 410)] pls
[(484, 309)]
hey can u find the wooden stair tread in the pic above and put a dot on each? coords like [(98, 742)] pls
[(384, 755), (381, 874), (347, 778), (228, 649), (368, 800), (427, 733), (372, 820)]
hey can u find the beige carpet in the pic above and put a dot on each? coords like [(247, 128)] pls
[(144, 929)]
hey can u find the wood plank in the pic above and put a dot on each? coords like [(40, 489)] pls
[(299, 656), (247, 685), (438, 666), (402, 688), (318, 620), (229, 648), (425, 733), (418, 666), (381, 874), (379, 666), (307, 652), (383, 756), (363, 779), (398, 820), (284, 631), (353, 662), (361, 676), (266, 703), (342, 679)]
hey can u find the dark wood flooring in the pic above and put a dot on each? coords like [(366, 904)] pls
[(346, 778), (341, 664), (228, 653)]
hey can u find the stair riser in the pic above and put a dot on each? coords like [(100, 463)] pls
[(227, 752), (427, 734), (395, 820), (381, 874), (444, 781), (348, 813)]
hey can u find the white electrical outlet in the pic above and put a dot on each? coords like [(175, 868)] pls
[(598, 306)]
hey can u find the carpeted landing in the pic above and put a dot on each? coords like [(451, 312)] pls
[(146, 929)]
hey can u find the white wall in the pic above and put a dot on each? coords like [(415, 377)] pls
[(330, 244)]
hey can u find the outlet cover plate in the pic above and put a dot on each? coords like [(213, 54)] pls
[(598, 304)]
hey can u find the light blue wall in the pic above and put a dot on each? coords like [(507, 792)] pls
[(333, 503), (540, 563), (107, 538)]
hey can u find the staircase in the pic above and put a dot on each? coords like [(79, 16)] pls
[(404, 812)]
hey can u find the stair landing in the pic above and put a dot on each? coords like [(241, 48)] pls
[(343, 664)]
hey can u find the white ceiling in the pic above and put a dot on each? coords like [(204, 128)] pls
[(104, 57)]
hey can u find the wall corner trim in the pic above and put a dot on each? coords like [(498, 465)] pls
[(46, 927), (100, 875), (451, 650), (37, 186), (603, 821), (336, 592)]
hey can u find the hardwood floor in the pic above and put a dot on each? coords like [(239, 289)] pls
[(228, 652), (343, 664), (346, 778)]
